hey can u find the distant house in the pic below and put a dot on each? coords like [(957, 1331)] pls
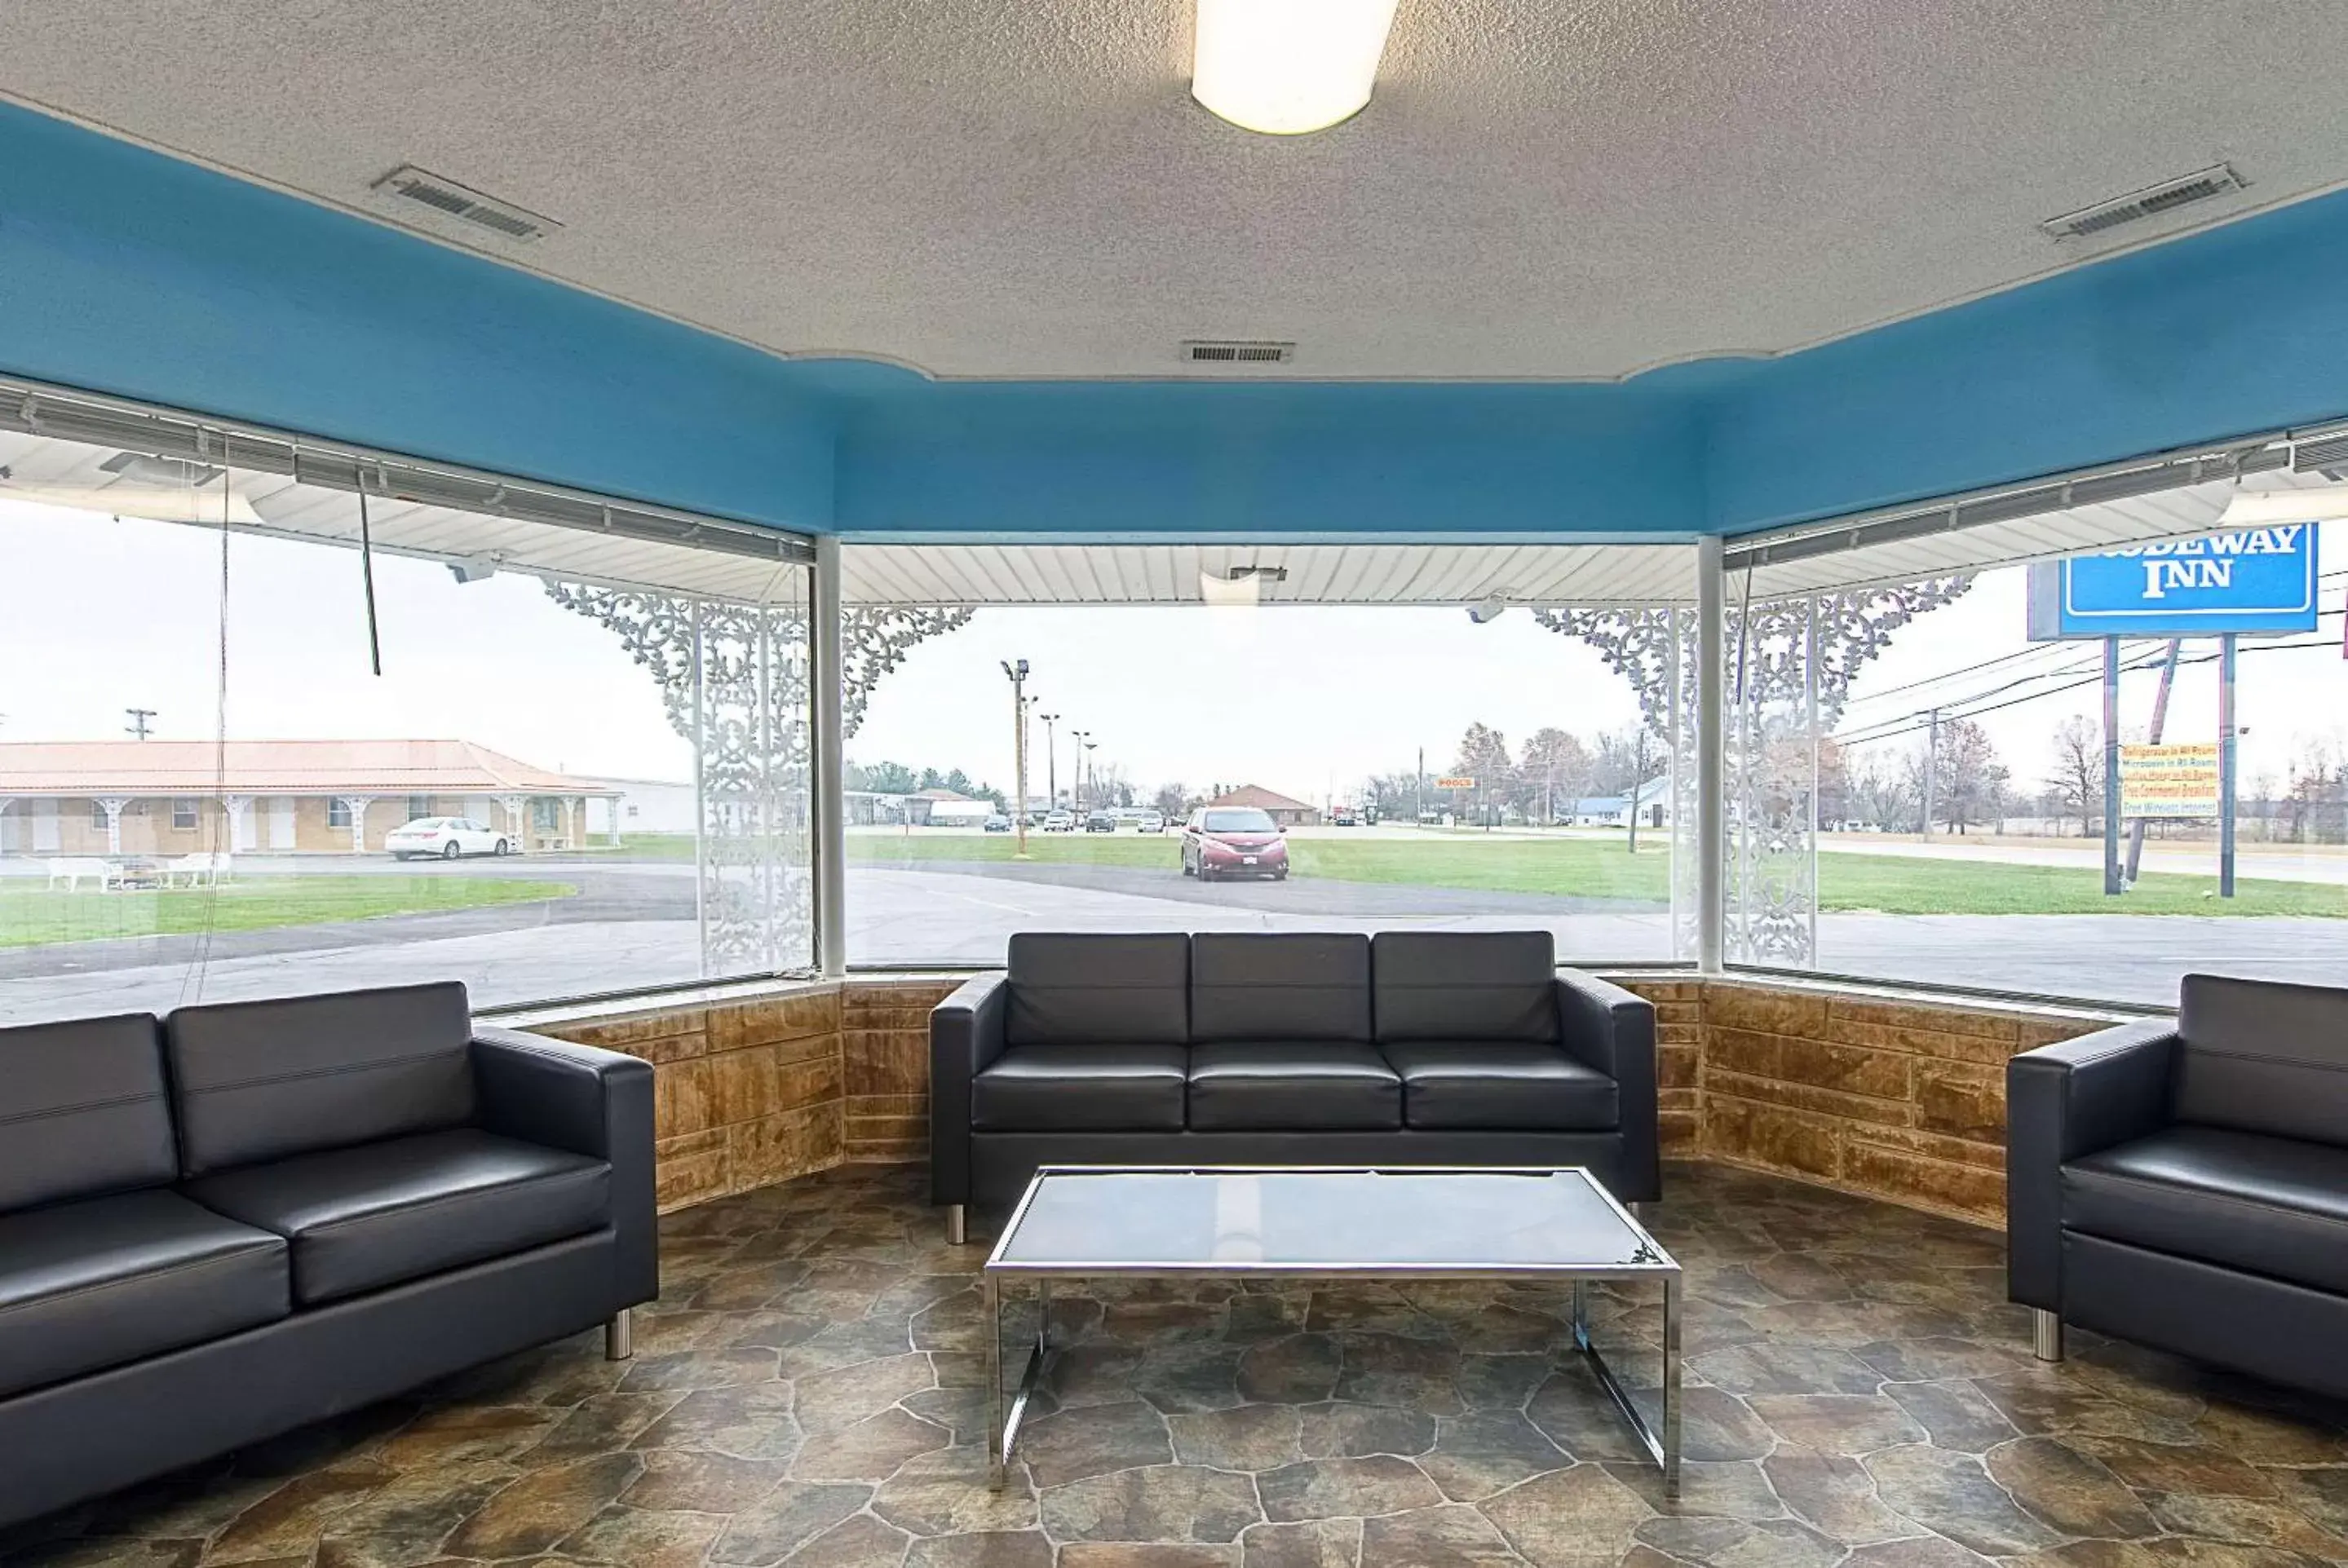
[(1653, 805), (177, 797), (1287, 812)]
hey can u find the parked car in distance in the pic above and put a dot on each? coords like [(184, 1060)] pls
[(998, 823), (1233, 841), (1058, 821), (1151, 822), (1345, 816), (1100, 822), (446, 837)]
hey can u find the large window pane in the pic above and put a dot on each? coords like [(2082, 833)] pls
[(1318, 740), (1918, 787), (560, 783)]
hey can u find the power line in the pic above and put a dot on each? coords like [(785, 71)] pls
[(1869, 739)]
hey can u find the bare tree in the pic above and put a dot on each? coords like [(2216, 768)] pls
[(2078, 780), (1553, 768), (1171, 800), (1484, 756), (1971, 779)]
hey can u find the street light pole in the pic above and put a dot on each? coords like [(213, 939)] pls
[(1018, 674), (1092, 772), (1051, 762), (1076, 783)]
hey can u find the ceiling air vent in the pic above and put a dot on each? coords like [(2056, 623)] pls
[(445, 196), (1231, 351), (2150, 202)]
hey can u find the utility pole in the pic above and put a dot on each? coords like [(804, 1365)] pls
[(1076, 770), (2159, 721), (1018, 675), (1418, 791), (1638, 783), (1092, 770), (2228, 756), (1051, 762), (138, 726), (1931, 767)]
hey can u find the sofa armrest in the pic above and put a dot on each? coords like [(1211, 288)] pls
[(589, 1102), (1612, 1031), (2061, 1102), (965, 1034)]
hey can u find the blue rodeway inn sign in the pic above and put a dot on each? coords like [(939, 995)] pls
[(2252, 580)]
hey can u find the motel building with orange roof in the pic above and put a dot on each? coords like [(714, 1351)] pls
[(180, 797)]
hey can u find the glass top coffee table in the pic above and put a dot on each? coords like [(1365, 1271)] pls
[(1091, 1222)]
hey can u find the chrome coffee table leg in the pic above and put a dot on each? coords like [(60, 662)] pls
[(1663, 1447), (1003, 1427)]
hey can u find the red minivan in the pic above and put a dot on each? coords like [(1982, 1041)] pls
[(1233, 841)]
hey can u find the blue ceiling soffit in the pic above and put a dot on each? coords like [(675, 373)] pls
[(126, 272)]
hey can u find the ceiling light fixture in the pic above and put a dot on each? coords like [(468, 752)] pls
[(1285, 68)]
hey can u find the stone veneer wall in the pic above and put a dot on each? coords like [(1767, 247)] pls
[(1891, 1098), (745, 1093), (1894, 1099)]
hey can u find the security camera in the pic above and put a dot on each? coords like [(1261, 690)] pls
[(473, 568), (1490, 610)]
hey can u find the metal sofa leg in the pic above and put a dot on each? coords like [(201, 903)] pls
[(619, 1336), (2047, 1334), (957, 1225)]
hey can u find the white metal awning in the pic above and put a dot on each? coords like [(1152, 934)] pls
[(1428, 573)]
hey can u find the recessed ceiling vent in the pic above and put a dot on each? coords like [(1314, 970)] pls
[(2150, 202), (409, 184), (1234, 351)]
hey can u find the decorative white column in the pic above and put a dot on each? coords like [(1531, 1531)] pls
[(517, 820), (5, 801), (113, 804), (236, 805), (827, 675), (568, 842), (356, 805), (1711, 773)]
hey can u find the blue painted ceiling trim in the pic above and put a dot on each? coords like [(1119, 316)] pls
[(127, 271)]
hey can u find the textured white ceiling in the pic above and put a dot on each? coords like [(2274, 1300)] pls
[(1022, 188)]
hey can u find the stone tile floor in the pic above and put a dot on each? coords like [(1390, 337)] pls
[(808, 1391)]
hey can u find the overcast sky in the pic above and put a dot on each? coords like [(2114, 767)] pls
[(96, 615)]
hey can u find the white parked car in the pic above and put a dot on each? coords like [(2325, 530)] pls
[(446, 837)]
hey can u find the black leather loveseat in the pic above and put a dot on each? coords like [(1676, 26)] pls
[(2185, 1184), (253, 1215), (1408, 1048)]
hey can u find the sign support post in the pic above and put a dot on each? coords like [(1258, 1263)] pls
[(2226, 766), (2112, 886)]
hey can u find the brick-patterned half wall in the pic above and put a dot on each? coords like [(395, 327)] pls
[(1902, 1099)]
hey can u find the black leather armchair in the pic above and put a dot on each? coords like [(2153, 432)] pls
[(258, 1215), (1408, 1048), (2185, 1184)]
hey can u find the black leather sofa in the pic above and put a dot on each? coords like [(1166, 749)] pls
[(1405, 1048), (249, 1216), (2185, 1184)]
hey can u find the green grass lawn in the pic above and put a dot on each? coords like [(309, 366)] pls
[(1602, 869), (36, 917)]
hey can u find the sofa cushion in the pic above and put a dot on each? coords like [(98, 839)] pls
[(1302, 985), (1098, 989), (95, 1284), (1501, 1085), (83, 1111), (2263, 1056), (1463, 985), (365, 1217), (1291, 1086), (1122, 1088), (260, 1081), (2275, 1206)]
